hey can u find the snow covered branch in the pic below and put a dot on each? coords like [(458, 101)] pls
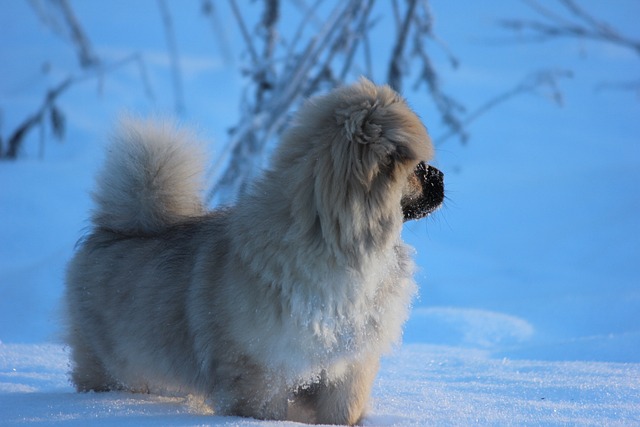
[(545, 82), (58, 16), (172, 47), (69, 29), (282, 84), (289, 70), (573, 22), (579, 24), (49, 112)]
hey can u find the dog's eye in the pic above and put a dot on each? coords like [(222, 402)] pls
[(386, 165)]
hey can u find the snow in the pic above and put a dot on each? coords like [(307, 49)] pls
[(529, 308), (420, 385)]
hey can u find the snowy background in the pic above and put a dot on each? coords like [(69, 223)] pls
[(529, 308)]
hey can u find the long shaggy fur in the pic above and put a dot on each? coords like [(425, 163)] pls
[(152, 178), (278, 307)]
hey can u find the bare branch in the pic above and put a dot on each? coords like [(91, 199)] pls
[(308, 64), (394, 75), (547, 13), (592, 22), (291, 83), (265, 75), (546, 79), (15, 139), (172, 46), (309, 12), (425, 26), (554, 26), (70, 30), (1, 132), (366, 49), (308, 17), (396, 16), (448, 107), (86, 56), (48, 108), (48, 19), (450, 110), (631, 86), (209, 10), (356, 36), (245, 32)]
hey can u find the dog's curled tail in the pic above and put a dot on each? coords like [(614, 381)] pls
[(152, 178)]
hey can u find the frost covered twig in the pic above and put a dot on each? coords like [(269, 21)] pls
[(265, 116), (293, 69), (209, 10), (576, 23), (450, 109), (546, 79), (174, 58), (58, 16), (579, 24), (48, 107), (394, 77), (70, 29), (49, 112)]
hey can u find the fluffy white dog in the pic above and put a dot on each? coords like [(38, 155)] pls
[(277, 307)]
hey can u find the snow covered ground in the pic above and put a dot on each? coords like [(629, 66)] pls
[(529, 310), (420, 385)]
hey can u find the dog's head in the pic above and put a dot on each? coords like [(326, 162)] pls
[(392, 142), (363, 153)]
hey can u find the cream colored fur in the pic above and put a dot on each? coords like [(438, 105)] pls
[(277, 307)]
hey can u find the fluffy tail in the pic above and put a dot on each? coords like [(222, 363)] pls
[(152, 178)]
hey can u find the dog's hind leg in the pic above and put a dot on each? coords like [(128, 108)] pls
[(88, 372)]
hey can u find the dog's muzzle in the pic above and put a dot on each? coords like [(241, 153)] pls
[(432, 182)]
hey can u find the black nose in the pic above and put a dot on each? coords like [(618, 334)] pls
[(433, 187), (432, 181), (434, 175)]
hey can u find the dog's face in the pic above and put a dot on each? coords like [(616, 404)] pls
[(424, 192), (363, 152)]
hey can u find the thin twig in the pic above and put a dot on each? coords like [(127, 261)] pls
[(48, 105), (172, 46), (528, 85), (425, 26), (309, 16), (394, 76), (15, 140), (264, 75), (86, 56), (70, 31), (354, 40), (557, 27), (209, 10), (245, 33), (269, 120), (325, 59)]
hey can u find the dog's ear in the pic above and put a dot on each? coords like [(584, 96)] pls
[(389, 132), (383, 134), (364, 126), (377, 132), (357, 122), (368, 126)]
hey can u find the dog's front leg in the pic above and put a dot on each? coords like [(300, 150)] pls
[(246, 390), (343, 399)]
